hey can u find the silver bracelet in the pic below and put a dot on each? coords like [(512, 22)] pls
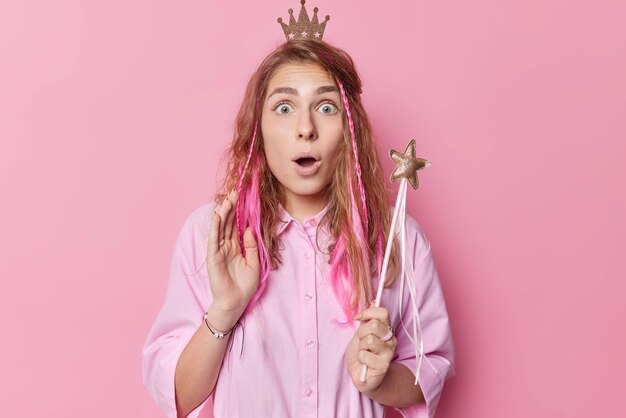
[(216, 334)]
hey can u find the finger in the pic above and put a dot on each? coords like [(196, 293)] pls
[(252, 250), (373, 326), (212, 245), (375, 345), (373, 361), (223, 211), (371, 343), (229, 225), (379, 313)]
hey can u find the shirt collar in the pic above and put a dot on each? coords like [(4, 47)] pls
[(284, 219)]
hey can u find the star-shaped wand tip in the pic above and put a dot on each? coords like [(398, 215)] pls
[(407, 165)]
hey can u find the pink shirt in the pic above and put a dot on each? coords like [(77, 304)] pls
[(292, 363)]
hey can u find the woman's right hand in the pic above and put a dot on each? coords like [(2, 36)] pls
[(233, 278)]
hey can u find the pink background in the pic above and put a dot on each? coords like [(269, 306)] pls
[(113, 116)]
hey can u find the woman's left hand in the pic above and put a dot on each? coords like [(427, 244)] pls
[(366, 347)]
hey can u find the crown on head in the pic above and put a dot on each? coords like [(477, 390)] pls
[(303, 28)]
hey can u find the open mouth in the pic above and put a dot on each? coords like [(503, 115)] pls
[(306, 161)]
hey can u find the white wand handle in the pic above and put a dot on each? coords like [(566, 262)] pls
[(383, 273)]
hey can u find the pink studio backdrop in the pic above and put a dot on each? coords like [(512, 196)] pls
[(113, 116)]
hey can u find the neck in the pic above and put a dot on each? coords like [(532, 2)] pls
[(302, 207)]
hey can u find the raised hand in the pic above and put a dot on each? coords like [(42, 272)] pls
[(233, 278)]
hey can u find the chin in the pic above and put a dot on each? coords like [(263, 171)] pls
[(310, 191)]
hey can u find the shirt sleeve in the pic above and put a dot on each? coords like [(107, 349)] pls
[(438, 360), (186, 300)]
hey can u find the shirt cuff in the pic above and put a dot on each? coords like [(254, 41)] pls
[(431, 383), (160, 381)]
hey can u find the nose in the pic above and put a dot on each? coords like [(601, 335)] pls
[(306, 127)]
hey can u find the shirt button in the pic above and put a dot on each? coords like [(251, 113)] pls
[(308, 392), (308, 297), (312, 222), (307, 255), (309, 343)]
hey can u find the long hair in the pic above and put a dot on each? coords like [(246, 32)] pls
[(358, 215)]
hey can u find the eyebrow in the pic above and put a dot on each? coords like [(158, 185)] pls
[(290, 90)]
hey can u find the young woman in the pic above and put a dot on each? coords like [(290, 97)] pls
[(268, 307)]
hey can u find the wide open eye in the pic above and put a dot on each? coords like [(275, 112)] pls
[(282, 108), (328, 108)]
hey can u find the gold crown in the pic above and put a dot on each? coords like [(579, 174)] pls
[(304, 28)]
